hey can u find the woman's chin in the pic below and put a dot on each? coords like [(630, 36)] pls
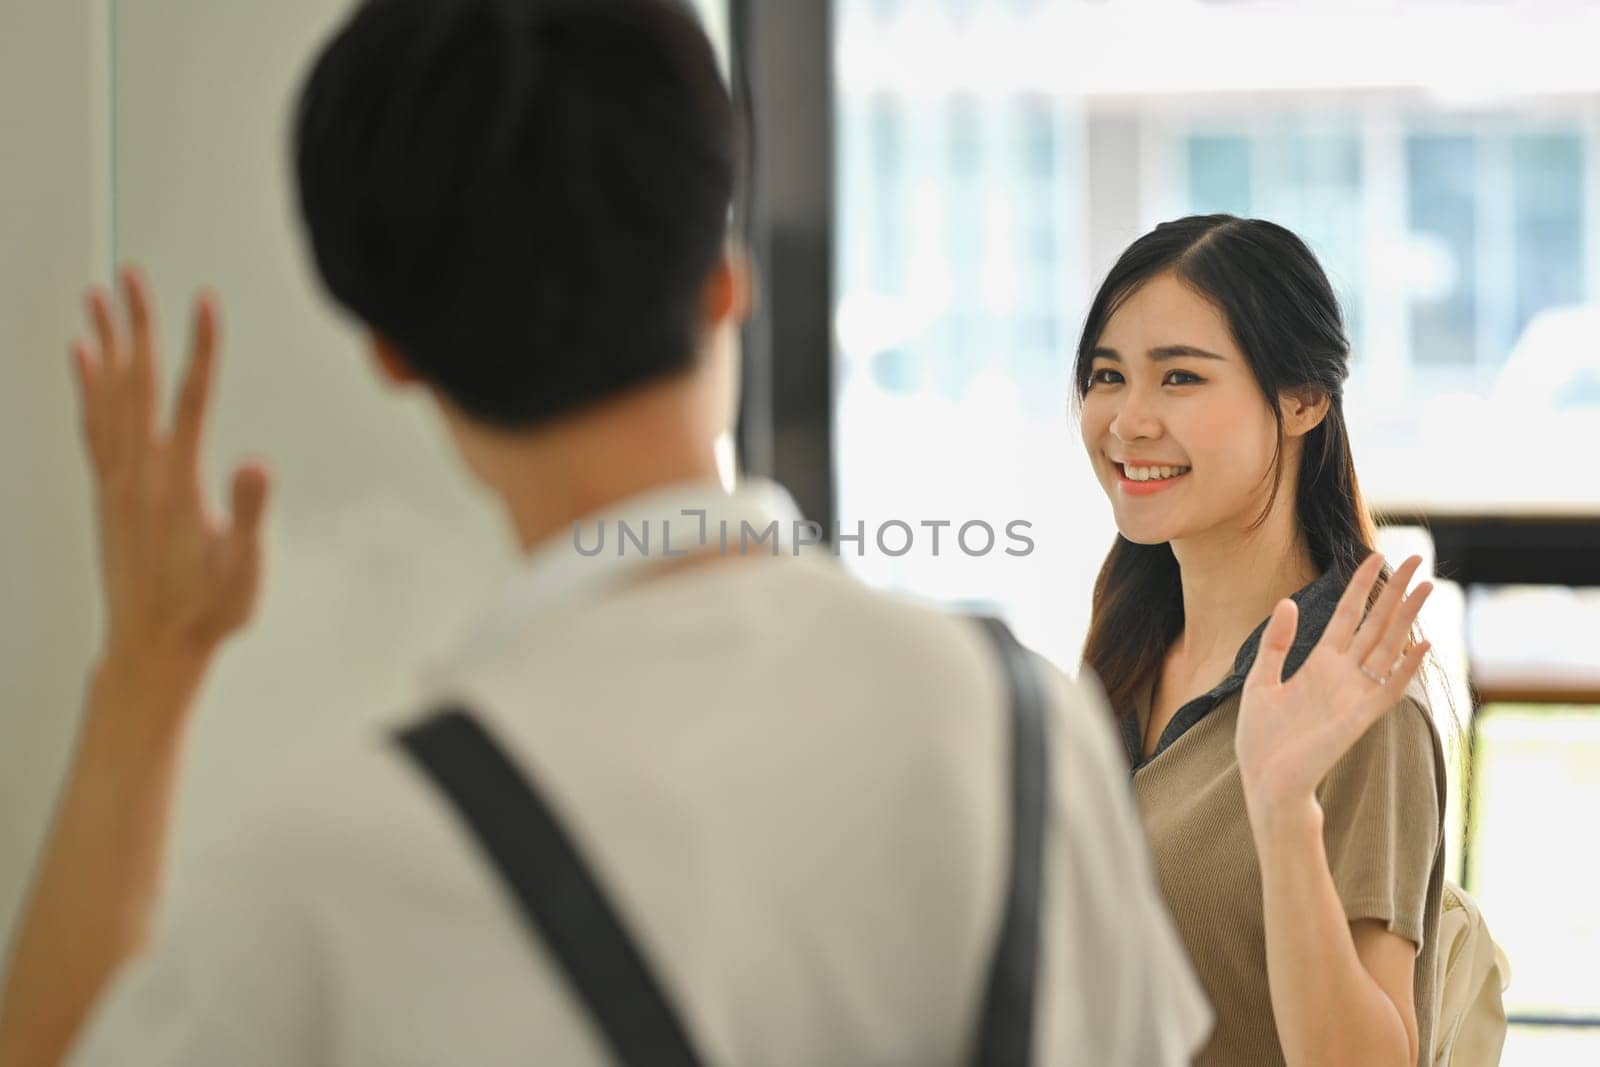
[(1144, 533)]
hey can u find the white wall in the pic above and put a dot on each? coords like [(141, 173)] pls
[(379, 548), (54, 209)]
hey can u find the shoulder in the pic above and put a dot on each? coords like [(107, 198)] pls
[(808, 622), (941, 667), (1400, 759), (1409, 732), (319, 834)]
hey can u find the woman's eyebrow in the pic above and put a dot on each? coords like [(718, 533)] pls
[(1158, 354), (1176, 351)]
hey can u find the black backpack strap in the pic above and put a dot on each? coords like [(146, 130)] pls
[(1006, 1027), (559, 898), (567, 910)]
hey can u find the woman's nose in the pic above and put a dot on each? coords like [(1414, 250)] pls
[(1136, 417)]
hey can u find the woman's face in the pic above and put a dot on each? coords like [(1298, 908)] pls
[(1175, 424)]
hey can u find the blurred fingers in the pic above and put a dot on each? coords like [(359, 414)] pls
[(194, 397), (144, 361), (251, 485)]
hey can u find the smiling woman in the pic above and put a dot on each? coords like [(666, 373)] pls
[(1166, 377), (1296, 823)]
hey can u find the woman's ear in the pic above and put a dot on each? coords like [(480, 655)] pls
[(1303, 411)]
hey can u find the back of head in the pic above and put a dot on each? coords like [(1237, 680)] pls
[(524, 197)]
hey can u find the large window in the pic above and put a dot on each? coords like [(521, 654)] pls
[(1460, 246), (960, 256)]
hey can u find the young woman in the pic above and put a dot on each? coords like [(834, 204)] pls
[(1258, 655)]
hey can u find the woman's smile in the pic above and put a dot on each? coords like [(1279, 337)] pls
[(1141, 478)]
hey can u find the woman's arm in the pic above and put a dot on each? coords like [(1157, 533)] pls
[(101, 874), (178, 580), (1341, 992)]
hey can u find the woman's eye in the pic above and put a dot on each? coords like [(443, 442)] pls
[(1104, 376), (1182, 377)]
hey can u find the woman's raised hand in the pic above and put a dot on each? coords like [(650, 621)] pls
[(178, 579), (1290, 734)]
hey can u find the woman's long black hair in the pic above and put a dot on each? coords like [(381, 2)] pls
[(1285, 318)]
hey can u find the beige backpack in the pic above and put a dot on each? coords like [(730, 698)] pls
[(1472, 974)]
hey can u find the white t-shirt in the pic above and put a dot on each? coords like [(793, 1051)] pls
[(793, 788)]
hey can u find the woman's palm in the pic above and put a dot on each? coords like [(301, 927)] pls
[(1291, 733)]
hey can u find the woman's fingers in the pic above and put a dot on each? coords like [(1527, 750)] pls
[(120, 380), (1375, 625), (105, 328), (144, 368), (128, 371), (1347, 616), (1400, 676), (1275, 642), (251, 483), (172, 572), (1381, 660), (188, 421)]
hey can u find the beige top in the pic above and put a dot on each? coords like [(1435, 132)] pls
[(1383, 806)]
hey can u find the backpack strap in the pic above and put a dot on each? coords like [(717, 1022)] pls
[(1006, 1027), (569, 912), (559, 897)]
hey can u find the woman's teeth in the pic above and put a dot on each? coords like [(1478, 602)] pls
[(1148, 474)]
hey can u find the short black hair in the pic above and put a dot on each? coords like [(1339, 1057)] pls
[(524, 197)]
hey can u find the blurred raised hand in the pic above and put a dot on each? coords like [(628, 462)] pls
[(178, 577)]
